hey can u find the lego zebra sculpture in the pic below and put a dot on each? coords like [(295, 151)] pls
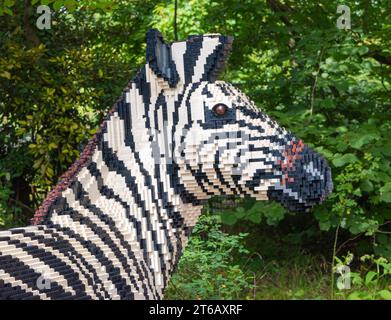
[(116, 224)]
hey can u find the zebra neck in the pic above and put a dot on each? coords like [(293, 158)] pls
[(116, 205)]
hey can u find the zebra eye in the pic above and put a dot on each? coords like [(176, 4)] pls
[(220, 109)]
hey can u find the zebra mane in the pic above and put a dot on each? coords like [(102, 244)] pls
[(70, 174)]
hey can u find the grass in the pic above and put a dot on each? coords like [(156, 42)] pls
[(302, 277), (281, 269)]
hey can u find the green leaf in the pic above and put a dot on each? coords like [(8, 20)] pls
[(70, 4), (356, 295), (255, 218), (229, 218), (327, 103), (369, 277), (385, 294), (386, 197), (9, 3), (52, 145), (324, 225), (8, 11), (363, 50), (273, 212), (366, 185), (385, 193), (340, 160), (342, 129), (58, 4), (386, 149), (5, 74), (240, 212), (49, 172), (362, 140)]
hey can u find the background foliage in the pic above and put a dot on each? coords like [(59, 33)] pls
[(331, 87)]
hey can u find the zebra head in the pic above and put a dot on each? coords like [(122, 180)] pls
[(220, 143)]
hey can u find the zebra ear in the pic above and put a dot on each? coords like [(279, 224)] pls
[(205, 57), (159, 57)]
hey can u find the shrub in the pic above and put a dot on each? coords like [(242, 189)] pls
[(207, 269)]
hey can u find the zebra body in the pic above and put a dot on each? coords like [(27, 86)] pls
[(116, 224)]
